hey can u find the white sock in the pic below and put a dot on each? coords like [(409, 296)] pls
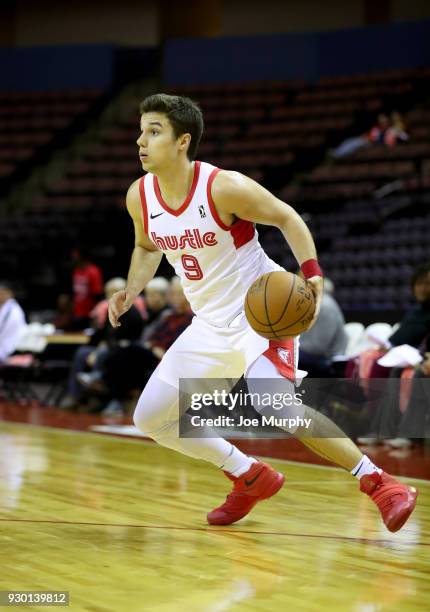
[(364, 467), (237, 463)]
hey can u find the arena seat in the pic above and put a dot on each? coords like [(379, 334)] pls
[(354, 331)]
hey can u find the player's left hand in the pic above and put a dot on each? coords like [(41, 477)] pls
[(317, 286)]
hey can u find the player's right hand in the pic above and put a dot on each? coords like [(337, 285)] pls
[(119, 303)]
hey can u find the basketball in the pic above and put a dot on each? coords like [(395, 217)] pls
[(279, 305)]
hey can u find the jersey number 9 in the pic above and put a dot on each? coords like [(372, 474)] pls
[(192, 268)]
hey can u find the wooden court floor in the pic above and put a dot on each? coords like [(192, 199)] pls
[(120, 524)]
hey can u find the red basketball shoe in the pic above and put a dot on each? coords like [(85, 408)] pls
[(395, 500), (258, 483)]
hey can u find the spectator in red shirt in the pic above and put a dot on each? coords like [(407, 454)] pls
[(87, 282)]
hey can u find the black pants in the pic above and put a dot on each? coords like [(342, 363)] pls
[(127, 368), (316, 365), (389, 422)]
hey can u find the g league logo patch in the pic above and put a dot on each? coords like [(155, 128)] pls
[(202, 212), (284, 355)]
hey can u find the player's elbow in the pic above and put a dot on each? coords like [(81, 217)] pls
[(289, 220)]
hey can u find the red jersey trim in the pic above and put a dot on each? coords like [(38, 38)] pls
[(188, 199), (241, 231), (143, 202), (214, 211)]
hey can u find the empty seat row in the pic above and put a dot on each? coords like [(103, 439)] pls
[(330, 109), (405, 150), (378, 77), (364, 171), (43, 109), (348, 93)]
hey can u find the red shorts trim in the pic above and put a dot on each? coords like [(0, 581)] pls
[(282, 354)]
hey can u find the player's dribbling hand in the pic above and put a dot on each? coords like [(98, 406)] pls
[(317, 286), (119, 303)]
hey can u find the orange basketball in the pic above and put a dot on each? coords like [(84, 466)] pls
[(279, 305)]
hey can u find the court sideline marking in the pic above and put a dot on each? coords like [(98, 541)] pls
[(212, 530)]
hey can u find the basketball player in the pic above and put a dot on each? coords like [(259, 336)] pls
[(202, 218)]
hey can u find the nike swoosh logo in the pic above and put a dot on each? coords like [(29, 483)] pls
[(155, 216), (251, 482)]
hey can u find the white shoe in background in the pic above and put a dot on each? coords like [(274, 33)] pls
[(369, 440), (399, 443)]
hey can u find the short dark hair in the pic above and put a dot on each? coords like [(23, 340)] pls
[(420, 272), (183, 113)]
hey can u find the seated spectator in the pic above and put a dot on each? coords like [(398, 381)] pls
[(375, 135), (172, 323), (414, 329), (397, 131), (325, 339), (12, 321), (130, 368), (99, 313), (63, 318), (396, 427), (410, 424), (104, 339), (156, 295), (155, 305), (415, 325)]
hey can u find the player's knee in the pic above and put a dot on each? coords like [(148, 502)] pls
[(151, 417), (138, 418), (146, 420), (157, 407), (146, 425)]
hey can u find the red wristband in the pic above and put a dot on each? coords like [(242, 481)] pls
[(311, 268)]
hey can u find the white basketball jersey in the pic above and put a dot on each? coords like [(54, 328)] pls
[(216, 263)]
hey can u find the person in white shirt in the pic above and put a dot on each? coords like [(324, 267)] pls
[(12, 321)]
